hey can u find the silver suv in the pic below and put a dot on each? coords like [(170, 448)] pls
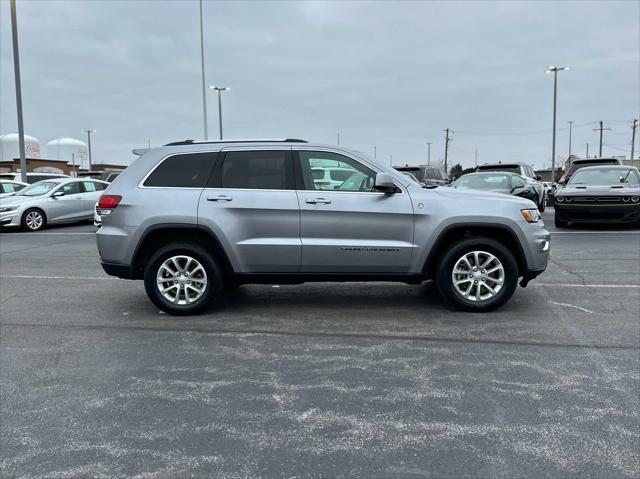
[(196, 219)]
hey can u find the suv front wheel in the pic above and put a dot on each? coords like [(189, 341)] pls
[(182, 278), (477, 274)]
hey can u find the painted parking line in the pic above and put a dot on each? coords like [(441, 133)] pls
[(578, 285), (22, 276), (553, 232), (35, 235)]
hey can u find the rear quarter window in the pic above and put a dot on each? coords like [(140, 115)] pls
[(188, 170)]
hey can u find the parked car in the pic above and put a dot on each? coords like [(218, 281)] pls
[(108, 175), (498, 182), (193, 219), (426, 174), (10, 187), (330, 178), (586, 162), (60, 200), (526, 172), (97, 218), (600, 194), (31, 177)]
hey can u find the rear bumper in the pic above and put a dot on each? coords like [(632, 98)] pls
[(598, 213), (122, 271)]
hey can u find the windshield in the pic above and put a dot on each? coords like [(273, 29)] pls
[(38, 189), (576, 165), (604, 177), (483, 182)]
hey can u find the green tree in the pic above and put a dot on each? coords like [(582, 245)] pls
[(456, 172)]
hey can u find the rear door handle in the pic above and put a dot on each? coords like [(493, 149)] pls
[(313, 201), (219, 198)]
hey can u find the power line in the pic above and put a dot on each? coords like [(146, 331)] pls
[(523, 133)]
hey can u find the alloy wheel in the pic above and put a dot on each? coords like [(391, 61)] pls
[(34, 220), (181, 280), (478, 276)]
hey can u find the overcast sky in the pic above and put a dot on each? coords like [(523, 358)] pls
[(393, 75)]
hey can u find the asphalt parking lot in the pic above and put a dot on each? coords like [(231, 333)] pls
[(319, 380)]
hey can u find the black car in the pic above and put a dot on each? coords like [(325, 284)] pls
[(428, 175), (498, 182), (600, 194), (585, 163)]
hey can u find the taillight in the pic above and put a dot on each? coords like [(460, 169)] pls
[(108, 202)]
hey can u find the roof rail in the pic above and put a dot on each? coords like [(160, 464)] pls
[(198, 142)]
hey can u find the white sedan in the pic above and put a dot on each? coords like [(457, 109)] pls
[(11, 187), (63, 200)]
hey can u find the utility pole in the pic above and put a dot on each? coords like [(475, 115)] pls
[(73, 164), (16, 71), (476, 161), (601, 129), (429, 152), (391, 160), (633, 139), (204, 89), (570, 125), (88, 132), (338, 135), (446, 149), (587, 150), (554, 70), (375, 152)]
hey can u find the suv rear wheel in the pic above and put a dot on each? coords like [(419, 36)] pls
[(182, 278), (478, 274)]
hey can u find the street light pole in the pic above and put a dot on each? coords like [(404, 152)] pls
[(219, 89), (570, 125), (16, 70), (204, 89), (88, 132), (429, 152), (554, 70)]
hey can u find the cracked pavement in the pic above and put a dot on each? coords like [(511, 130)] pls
[(319, 380)]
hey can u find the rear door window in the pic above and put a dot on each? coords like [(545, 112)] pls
[(256, 170), (187, 170)]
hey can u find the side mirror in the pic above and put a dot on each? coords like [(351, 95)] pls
[(384, 182), (57, 194)]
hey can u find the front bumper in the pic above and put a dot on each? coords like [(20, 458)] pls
[(598, 212), (10, 219)]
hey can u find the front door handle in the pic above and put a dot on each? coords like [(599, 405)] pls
[(219, 198), (313, 201)]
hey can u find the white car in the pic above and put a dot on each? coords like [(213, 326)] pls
[(11, 187), (330, 178), (61, 200), (31, 177), (97, 219)]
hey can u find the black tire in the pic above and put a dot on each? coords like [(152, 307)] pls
[(543, 203), (560, 223), (212, 291), (28, 225), (444, 280)]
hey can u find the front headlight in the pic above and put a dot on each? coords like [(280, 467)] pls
[(559, 199), (6, 209), (531, 215)]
